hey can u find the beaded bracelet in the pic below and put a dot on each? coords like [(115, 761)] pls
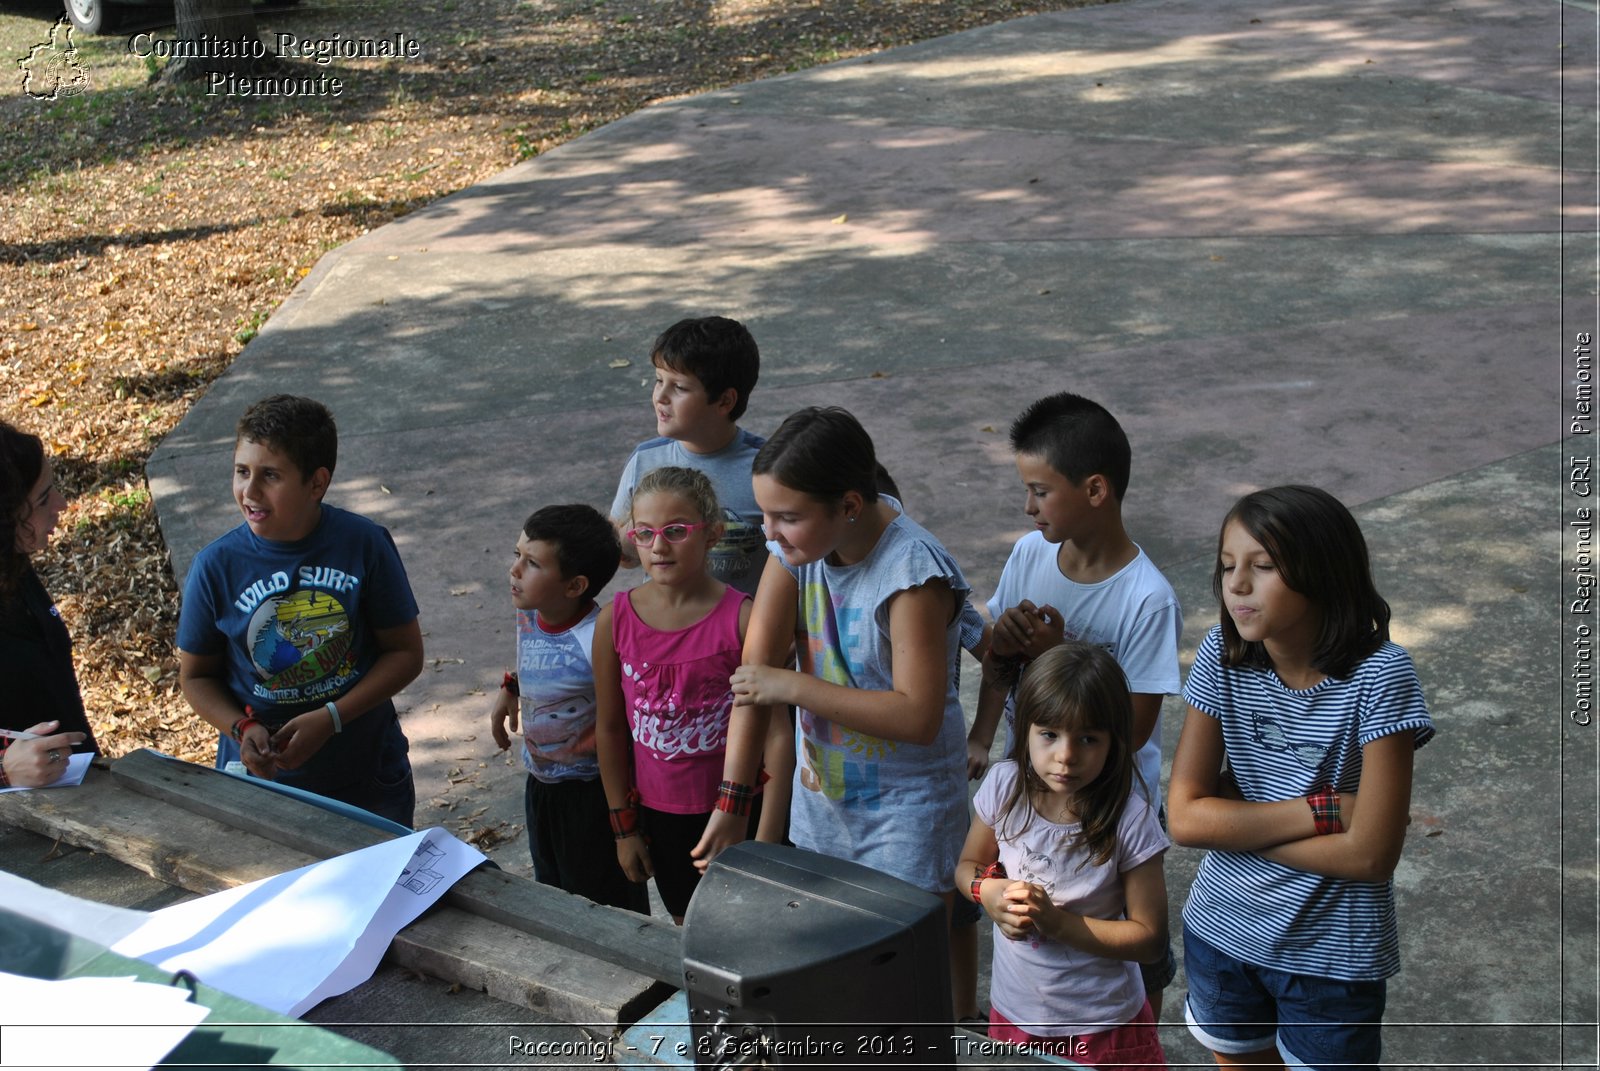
[(995, 869), (734, 798), (1324, 805), (510, 684), (236, 730)]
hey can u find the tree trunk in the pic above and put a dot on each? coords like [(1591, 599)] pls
[(216, 37)]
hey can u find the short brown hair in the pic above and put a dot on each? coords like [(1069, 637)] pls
[(301, 429), (717, 351)]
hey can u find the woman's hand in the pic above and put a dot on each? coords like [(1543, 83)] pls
[(762, 686), (257, 753), (1028, 630), (1007, 905), (33, 763), (977, 759)]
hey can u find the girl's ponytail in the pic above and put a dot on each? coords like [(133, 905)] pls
[(823, 452)]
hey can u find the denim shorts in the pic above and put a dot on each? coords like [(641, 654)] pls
[(1157, 976), (1237, 1007)]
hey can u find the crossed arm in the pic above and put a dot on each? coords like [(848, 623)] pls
[(1205, 814)]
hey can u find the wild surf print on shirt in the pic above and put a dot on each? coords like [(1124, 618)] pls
[(301, 642)]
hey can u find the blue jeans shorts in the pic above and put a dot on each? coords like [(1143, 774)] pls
[(1236, 1007)]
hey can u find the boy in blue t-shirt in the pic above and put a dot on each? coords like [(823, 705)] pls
[(564, 556), (298, 627), (1079, 576), (705, 371)]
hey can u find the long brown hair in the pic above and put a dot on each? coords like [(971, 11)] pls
[(1318, 548), (1076, 687)]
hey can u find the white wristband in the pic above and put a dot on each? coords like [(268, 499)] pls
[(333, 712)]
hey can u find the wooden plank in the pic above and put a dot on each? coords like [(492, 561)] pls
[(520, 969), (202, 855), (638, 943), (180, 848), (240, 805)]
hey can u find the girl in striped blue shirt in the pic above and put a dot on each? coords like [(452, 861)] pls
[(1298, 705)]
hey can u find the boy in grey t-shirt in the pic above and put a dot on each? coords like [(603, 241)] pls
[(705, 370)]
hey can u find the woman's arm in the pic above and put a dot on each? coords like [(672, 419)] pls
[(778, 760), (985, 723), (768, 639), (1141, 936), (398, 663), (613, 745), (913, 712), (41, 761), (1369, 848)]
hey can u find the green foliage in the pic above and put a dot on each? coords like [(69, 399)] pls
[(252, 326)]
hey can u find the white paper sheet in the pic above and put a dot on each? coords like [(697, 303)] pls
[(291, 941), (77, 766), (100, 923), (91, 1022)]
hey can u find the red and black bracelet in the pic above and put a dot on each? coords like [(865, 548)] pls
[(734, 798), (624, 822), (1325, 811), (510, 684), (995, 869), (236, 730), (625, 819)]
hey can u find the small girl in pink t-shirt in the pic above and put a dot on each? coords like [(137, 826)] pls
[(663, 654)]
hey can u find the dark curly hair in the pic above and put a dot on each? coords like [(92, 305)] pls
[(717, 351), (21, 462), (302, 429), (586, 544)]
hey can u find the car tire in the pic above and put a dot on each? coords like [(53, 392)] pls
[(90, 16)]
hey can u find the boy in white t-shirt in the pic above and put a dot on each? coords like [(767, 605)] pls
[(1080, 577)]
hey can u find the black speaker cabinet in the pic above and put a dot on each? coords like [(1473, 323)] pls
[(793, 958)]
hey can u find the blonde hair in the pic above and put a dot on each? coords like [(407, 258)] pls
[(691, 485)]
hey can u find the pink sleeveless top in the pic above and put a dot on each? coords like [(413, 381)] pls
[(675, 688)]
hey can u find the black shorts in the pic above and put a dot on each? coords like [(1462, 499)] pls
[(569, 837), (671, 836)]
